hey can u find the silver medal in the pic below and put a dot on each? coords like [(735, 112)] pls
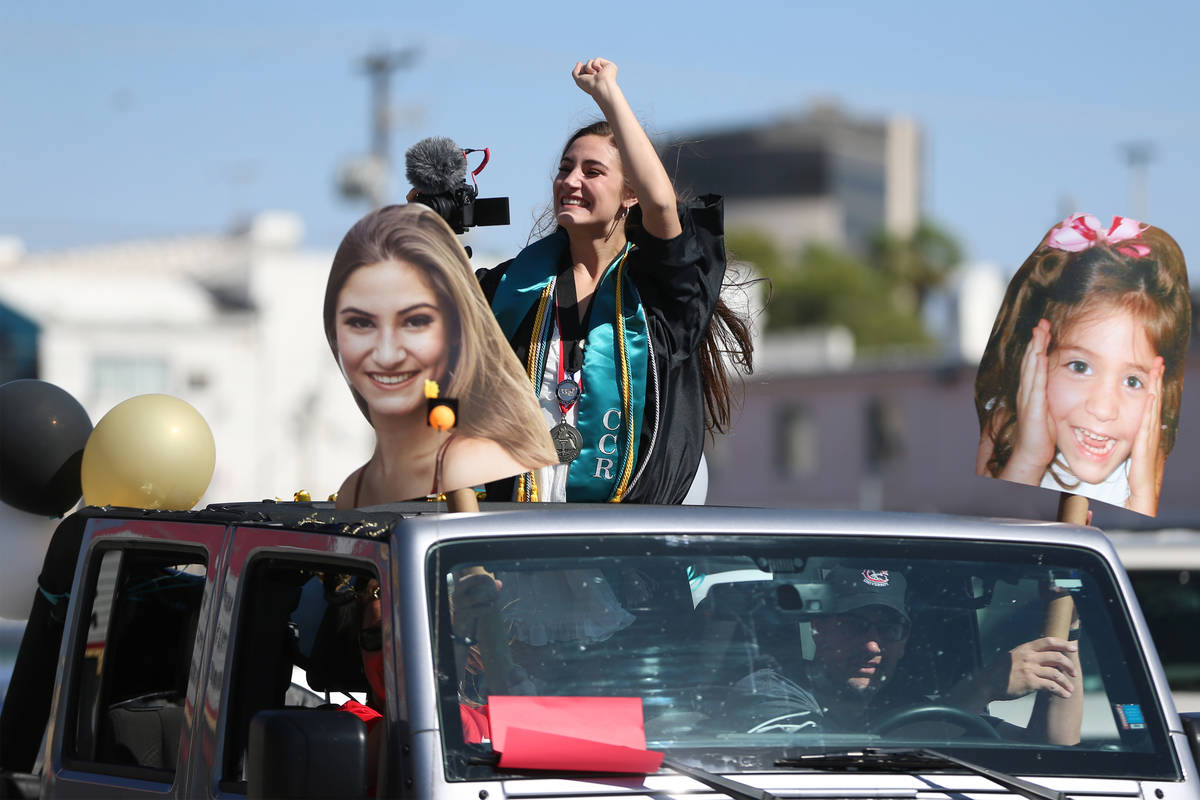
[(568, 441)]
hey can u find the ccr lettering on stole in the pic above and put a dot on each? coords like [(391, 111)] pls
[(607, 445)]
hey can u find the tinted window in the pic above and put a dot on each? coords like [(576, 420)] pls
[(1170, 600), (297, 645), (131, 682)]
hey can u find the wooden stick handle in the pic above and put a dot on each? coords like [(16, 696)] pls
[(1057, 622), (464, 500), (1072, 508)]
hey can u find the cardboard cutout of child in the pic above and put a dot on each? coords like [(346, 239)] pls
[(1079, 389), (403, 307)]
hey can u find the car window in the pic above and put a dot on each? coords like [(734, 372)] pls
[(129, 688), (297, 645), (1170, 600), (744, 648)]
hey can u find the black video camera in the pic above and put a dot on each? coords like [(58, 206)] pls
[(462, 208), (437, 170)]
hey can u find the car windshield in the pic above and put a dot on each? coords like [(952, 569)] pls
[(745, 649)]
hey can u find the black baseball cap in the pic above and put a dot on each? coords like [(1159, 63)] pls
[(855, 588)]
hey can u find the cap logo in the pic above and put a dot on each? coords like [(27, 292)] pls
[(875, 577)]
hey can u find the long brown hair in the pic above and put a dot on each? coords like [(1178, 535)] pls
[(727, 341), (1065, 287), (482, 372)]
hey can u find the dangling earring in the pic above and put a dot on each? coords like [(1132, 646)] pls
[(616, 224)]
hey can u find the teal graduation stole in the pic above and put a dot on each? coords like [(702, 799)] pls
[(615, 364)]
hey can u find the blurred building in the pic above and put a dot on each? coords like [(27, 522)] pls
[(901, 434), (821, 176), (820, 425), (229, 322), (960, 314)]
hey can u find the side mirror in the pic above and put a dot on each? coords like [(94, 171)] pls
[(307, 754), (1191, 729)]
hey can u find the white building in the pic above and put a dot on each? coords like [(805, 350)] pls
[(230, 323), (961, 313)]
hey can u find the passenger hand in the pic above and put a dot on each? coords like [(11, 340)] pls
[(475, 617), (1044, 664), (1145, 461), (1033, 449), (596, 76), (476, 596)]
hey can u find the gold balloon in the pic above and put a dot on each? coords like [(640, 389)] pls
[(151, 451)]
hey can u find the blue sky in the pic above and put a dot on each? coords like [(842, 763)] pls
[(134, 119)]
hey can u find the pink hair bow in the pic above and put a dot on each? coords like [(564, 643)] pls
[(1081, 231)]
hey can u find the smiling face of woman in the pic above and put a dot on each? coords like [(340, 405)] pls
[(391, 336), (589, 188), (1096, 390)]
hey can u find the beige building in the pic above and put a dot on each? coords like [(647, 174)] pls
[(821, 176)]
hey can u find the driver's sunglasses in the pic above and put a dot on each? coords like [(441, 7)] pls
[(883, 630)]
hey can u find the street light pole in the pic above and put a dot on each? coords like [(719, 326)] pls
[(1138, 156), (370, 176)]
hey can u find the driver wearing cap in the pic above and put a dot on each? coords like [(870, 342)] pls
[(857, 645), (860, 642)]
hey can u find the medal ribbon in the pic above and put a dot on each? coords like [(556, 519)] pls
[(576, 375)]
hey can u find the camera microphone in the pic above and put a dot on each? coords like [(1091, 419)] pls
[(435, 166)]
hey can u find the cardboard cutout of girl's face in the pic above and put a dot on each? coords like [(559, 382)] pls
[(1098, 392), (401, 325), (391, 337), (1070, 392)]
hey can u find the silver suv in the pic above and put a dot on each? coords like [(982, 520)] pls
[(216, 653)]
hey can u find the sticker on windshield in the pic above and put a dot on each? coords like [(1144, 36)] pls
[(1079, 388), (1129, 716)]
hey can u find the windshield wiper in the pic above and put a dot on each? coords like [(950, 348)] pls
[(735, 789), (900, 758), (719, 783)]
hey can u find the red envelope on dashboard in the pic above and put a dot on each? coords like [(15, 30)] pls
[(598, 734)]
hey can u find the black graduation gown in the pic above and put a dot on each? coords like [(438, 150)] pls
[(679, 282)]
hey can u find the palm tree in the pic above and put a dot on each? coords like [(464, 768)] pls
[(921, 261)]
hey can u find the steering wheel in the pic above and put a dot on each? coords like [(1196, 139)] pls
[(972, 723)]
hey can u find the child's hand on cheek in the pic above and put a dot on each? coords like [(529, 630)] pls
[(1145, 463), (1033, 448)]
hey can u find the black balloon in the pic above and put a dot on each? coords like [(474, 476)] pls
[(43, 431)]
